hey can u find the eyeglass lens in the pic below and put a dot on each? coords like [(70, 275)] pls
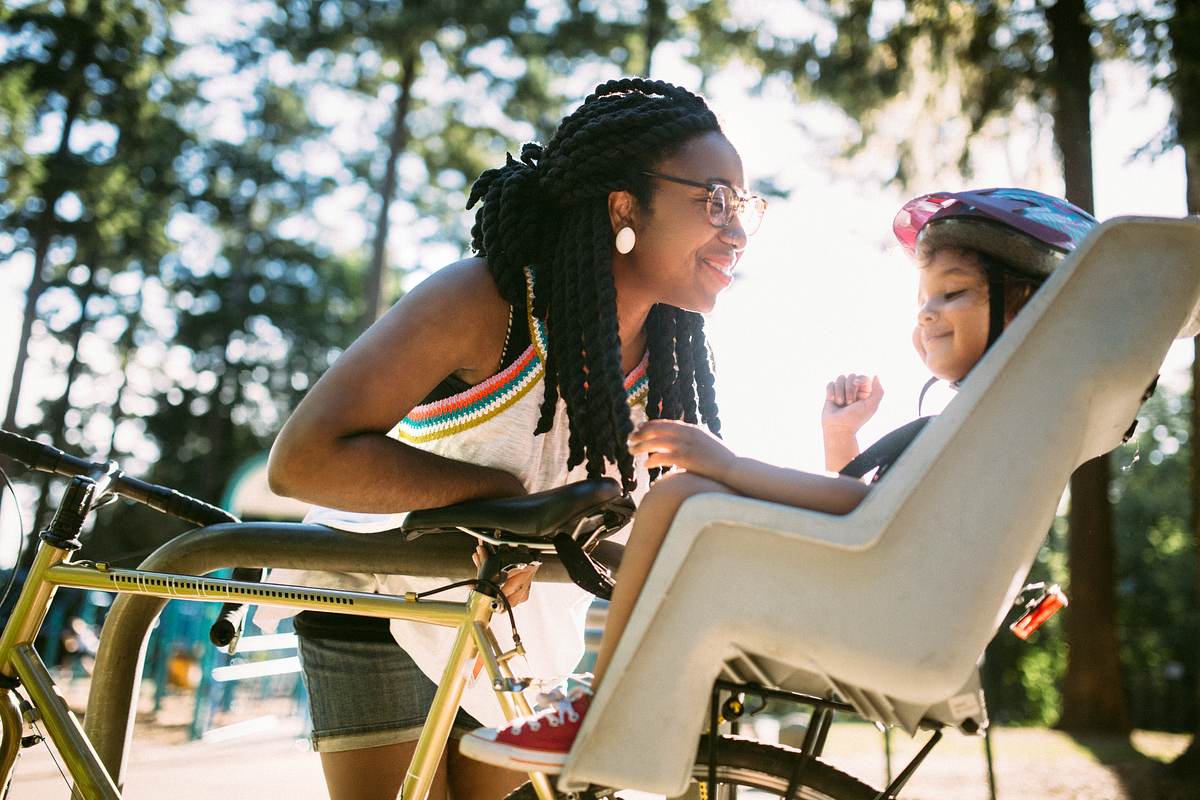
[(723, 203)]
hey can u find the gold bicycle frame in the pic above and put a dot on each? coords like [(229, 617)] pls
[(52, 567)]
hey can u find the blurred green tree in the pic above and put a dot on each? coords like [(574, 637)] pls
[(440, 70), (83, 83), (256, 319), (1158, 612), (86, 180), (1183, 30), (182, 299), (1166, 39)]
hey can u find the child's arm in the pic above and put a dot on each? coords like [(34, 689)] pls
[(679, 444), (850, 400)]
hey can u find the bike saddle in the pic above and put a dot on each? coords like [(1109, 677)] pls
[(532, 518)]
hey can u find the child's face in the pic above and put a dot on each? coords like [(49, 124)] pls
[(952, 314)]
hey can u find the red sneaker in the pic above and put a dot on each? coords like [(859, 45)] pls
[(532, 744)]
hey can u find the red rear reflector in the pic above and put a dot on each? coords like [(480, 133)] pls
[(1038, 611)]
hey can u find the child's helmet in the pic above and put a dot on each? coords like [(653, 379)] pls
[(1026, 231), (1017, 231)]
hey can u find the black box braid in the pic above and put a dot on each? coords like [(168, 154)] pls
[(549, 211)]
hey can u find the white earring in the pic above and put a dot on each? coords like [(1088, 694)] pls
[(625, 240)]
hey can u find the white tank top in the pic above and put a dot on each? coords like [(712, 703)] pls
[(490, 424)]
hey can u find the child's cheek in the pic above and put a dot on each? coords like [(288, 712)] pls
[(916, 340)]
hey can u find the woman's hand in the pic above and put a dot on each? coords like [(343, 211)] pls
[(680, 444), (850, 400), (517, 584)]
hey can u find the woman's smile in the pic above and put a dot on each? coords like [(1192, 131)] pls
[(723, 266)]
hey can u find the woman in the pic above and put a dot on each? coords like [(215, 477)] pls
[(512, 372)]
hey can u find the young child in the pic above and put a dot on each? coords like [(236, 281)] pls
[(981, 255)]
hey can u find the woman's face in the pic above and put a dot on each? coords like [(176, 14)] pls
[(952, 314), (679, 257)]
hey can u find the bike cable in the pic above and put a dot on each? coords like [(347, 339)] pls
[(12, 576), (54, 758), (512, 620)]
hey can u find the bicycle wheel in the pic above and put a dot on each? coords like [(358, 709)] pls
[(752, 765)]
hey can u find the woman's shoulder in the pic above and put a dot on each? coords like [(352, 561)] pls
[(459, 308), (466, 285)]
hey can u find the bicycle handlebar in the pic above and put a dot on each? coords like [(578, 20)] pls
[(45, 458)]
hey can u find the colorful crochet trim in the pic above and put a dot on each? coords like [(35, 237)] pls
[(485, 400), (477, 404), (637, 383)]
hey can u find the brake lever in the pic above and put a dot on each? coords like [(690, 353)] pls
[(106, 499)]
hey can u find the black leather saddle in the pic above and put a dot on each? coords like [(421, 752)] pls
[(533, 518)]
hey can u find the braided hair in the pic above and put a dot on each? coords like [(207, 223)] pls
[(548, 210)]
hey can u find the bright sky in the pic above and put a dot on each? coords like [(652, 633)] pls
[(822, 289)]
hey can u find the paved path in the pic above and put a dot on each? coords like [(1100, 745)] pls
[(268, 762)]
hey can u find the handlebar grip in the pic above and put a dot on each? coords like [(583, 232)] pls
[(41, 457), (232, 616), (44, 458), (197, 511), (169, 501)]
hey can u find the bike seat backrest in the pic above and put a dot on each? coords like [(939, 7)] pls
[(532, 518), (890, 606)]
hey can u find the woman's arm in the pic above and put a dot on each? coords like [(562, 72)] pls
[(335, 451)]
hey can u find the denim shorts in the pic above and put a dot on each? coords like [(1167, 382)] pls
[(366, 694)]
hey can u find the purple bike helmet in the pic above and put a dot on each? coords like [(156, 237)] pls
[(1017, 231)]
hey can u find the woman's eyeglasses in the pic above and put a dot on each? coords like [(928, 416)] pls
[(724, 202)]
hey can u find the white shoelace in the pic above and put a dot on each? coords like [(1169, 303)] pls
[(561, 706)]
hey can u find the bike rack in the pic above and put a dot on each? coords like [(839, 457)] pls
[(116, 679)]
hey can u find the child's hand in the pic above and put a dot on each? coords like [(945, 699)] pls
[(679, 444), (850, 400)]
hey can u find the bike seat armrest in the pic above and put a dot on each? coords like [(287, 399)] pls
[(539, 516)]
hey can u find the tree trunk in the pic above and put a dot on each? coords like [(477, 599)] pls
[(657, 20), (37, 284), (1191, 757), (1093, 695), (1188, 763), (397, 143), (1185, 37)]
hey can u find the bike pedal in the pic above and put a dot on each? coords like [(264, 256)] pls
[(31, 741)]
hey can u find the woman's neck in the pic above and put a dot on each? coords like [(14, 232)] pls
[(632, 312)]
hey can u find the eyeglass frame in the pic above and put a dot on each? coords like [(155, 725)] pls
[(743, 198)]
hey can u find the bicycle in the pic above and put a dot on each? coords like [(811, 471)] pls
[(567, 523)]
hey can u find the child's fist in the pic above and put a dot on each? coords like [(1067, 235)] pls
[(850, 400)]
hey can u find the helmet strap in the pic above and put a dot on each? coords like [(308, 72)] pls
[(924, 390)]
